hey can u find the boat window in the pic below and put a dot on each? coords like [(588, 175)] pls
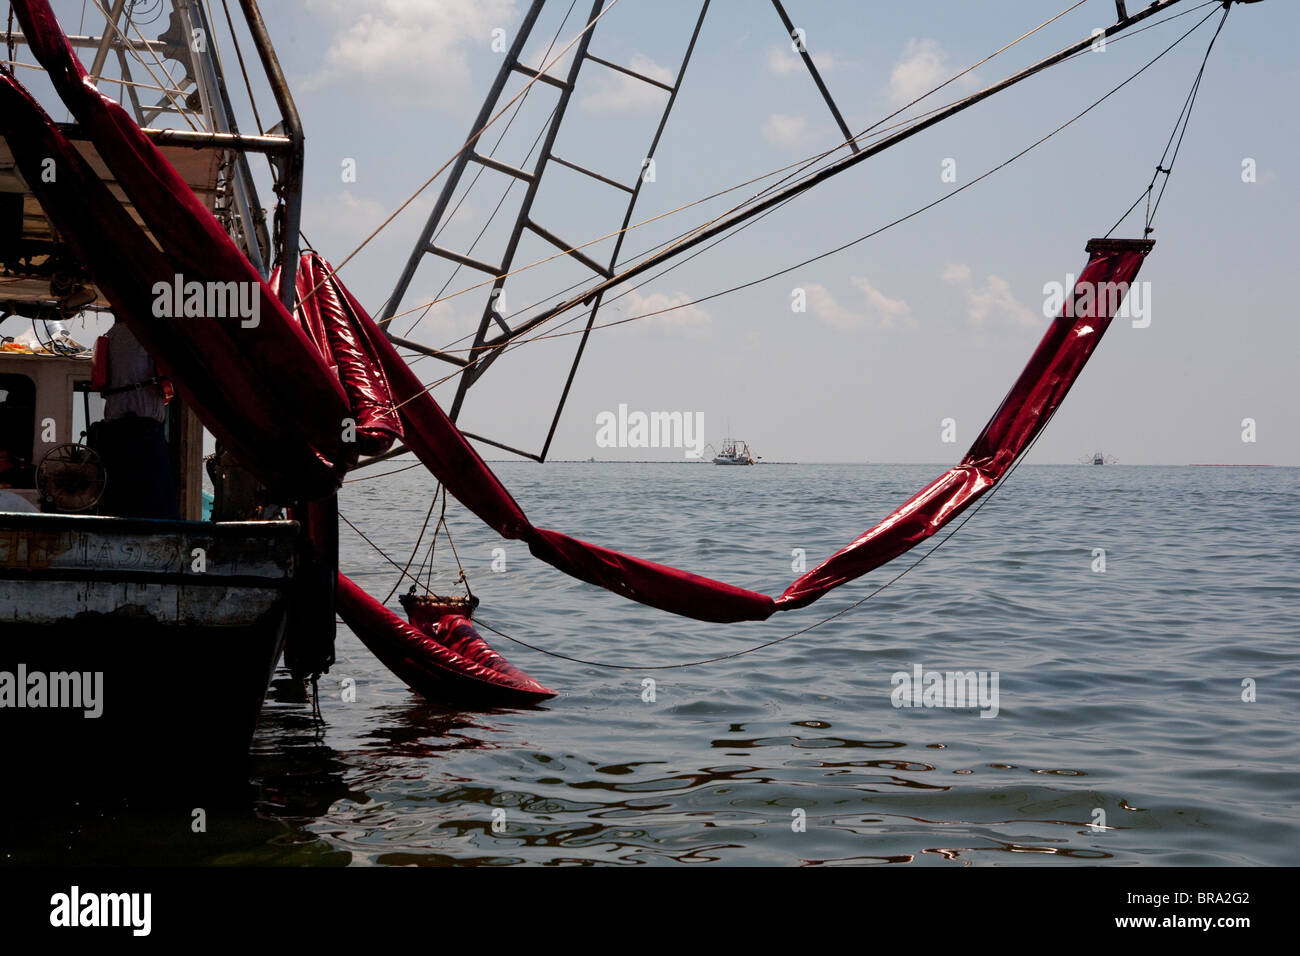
[(17, 429), (87, 408)]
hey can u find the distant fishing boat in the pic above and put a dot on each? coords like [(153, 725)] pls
[(1098, 458), (734, 452)]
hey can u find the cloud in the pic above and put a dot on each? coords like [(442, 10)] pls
[(956, 272), (688, 318), (347, 209), (408, 46), (993, 300), (348, 216), (922, 67), (783, 129), (877, 311), (615, 92), (336, 223), (883, 307), (782, 61), (437, 324)]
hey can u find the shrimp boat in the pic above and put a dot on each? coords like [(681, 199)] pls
[(130, 618), (734, 452), (146, 207)]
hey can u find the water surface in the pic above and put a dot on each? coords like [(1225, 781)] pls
[(1121, 737)]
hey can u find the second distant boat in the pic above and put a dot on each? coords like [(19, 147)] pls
[(734, 452)]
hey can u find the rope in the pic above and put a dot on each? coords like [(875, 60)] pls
[(416, 547), (130, 45), (1184, 117), (803, 165), (979, 507), (384, 474), (479, 172), (758, 647), (377, 548), (252, 100), (456, 155), (803, 630), (837, 249)]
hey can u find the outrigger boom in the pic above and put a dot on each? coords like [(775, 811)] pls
[(492, 345)]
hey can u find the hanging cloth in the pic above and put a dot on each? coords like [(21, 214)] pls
[(1053, 368)]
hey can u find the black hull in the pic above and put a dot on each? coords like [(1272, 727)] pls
[(175, 661), (179, 706)]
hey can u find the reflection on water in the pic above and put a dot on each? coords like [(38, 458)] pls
[(1121, 737), (641, 811)]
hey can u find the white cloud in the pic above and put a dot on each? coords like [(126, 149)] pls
[(411, 46), (881, 306), (439, 324), (823, 305), (878, 310), (689, 318), (615, 92), (783, 61), (922, 67), (341, 220), (782, 129), (956, 272), (993, 300), (997, 299), (348, 215)]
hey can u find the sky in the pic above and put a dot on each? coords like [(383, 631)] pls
[(930, 320)]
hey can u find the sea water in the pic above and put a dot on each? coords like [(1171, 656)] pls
[(1137, 625)]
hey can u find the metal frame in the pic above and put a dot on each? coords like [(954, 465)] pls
[(284, 152), (425, 245), (288, 162), (817, 77), (486, 350), (826, 172)]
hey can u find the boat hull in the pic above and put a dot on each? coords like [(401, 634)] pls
[(134, 653)]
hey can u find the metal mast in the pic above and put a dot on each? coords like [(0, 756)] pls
[(425, 245), (486, 349)]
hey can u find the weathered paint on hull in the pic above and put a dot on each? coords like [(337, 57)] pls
[(186, 644)]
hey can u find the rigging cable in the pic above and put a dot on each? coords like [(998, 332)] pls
[(989, 497), (1179, 131), (504, 132), (473, 182), (230, 23), (802, 164), (467, 145), (416, 547), (846, 245)]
